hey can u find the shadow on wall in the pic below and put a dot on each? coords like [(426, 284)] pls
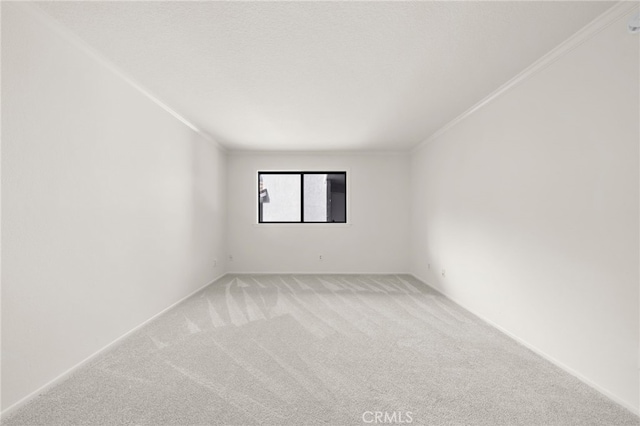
[(207, 207)]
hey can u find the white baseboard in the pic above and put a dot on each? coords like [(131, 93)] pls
[(535, 349), (538, 351), (70, 371)]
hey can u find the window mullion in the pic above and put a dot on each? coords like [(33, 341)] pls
[(301, 197), (259, 200)]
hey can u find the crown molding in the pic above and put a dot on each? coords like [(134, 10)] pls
[(607, 18), (315, 153), (87, 49)]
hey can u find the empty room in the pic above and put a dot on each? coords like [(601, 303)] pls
[(304, 213)]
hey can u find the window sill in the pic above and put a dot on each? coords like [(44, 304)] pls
[(305, 225)]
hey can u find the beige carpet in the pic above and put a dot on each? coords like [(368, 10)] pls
[(320, 349)]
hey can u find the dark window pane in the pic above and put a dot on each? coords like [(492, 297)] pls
[(337, 197)]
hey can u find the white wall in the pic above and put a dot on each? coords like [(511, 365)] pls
[(531, 206), (112, 208), (375, 240)]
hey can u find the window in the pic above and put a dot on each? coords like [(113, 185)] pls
[(302, 197)]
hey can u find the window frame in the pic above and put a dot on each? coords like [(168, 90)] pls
[(302, 173)]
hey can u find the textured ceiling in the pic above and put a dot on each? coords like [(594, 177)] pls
[(322, 75)]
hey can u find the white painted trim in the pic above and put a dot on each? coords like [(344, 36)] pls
[(610, 16), (239, 274), (77, 42), (537, 350), (303, 225), (329, 153), (549, 358), (59, 379)]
